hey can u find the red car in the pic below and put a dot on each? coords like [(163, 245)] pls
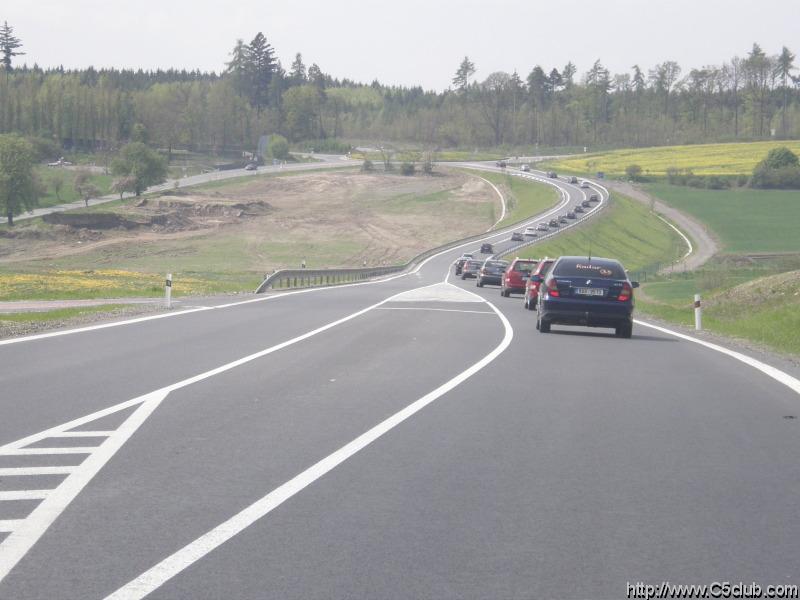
[(512, 281), (532, 287)]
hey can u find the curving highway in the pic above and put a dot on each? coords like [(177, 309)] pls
[(413, 437)]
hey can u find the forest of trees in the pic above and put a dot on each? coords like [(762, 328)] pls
[(755, 96)]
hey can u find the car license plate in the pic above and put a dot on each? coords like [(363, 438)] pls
[(590, 291)]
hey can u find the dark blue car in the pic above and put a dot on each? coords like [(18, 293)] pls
[(587, 291)]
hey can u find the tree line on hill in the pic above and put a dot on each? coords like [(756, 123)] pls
[(755, 96)]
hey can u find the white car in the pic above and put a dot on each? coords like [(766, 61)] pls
[(584, 184), (530, 231)]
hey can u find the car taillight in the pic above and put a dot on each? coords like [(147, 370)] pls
[(625, 293), (552, 288)]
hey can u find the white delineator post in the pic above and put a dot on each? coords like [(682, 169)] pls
[(698, 313), (168, 291)]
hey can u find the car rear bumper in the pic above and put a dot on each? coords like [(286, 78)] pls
[(591, 313), (491, 279)]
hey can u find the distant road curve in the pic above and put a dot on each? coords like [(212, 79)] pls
[(327, 161)]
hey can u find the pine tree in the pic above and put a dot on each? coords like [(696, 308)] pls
[(8, 46), (298, 71), (262, 66)]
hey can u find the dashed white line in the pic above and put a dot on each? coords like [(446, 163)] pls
[(24, 494), (21, 471), (48, 451)]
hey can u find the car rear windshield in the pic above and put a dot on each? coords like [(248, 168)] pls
[(497, 263), (474, 264), (602, 269), (525, 266)]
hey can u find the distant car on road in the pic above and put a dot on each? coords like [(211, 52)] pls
[(584, 184), (586, 204), (531, 232), (471, 268), (594, 198), (532, 284), (502, 164), (250, 167), (459, 264), (542, 227), (552, 175), (553, 223), (513, 281), (573, 179), (578, 208), (517, 237), (487, 249), (562, 219), (491, 272), (570, 215), (586, 291), (525, 168)]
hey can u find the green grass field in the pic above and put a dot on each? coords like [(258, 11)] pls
[(705, 159), (625, 230), (67, 193), (744, 303), (523, 196), (744, 220)]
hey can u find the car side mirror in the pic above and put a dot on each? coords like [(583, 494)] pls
[(634, 284)]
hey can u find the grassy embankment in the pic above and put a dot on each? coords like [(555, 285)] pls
[(751, 299), (221, 261), (625, 230), (523, 196)]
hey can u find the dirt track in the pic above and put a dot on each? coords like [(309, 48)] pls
[(705, 246)]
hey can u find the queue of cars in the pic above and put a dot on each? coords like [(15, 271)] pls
[(569, 290)]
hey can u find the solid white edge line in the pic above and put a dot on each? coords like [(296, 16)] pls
[(171, 566), (455, 310), (780, 376), (14, 547), (680, 233), (502, 203), (53, 334)]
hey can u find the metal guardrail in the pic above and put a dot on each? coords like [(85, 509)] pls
[(305, 278)]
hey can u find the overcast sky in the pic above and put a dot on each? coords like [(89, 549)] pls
[(411, 42)]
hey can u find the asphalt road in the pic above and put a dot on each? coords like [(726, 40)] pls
[(409, 438)]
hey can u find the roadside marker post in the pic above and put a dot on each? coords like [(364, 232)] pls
[(698, 313), (168, 291)]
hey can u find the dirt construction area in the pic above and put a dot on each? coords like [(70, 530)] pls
[(327, 219)]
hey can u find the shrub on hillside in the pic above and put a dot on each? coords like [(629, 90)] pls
[(408, 168), (780, 169), (633, 172), (278, 147)]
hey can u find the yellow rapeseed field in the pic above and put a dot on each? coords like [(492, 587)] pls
[(93, 283), (705, 159)]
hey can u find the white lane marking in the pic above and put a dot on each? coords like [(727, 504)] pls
[(438, 292), (477, 312), (75, 434), (30, 529), (22, 471), (24, 494), (9, 524), (502, 203), (680, 233), (48, 451), (780, 376), (27, 531), (52, 334), (165, 570)]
